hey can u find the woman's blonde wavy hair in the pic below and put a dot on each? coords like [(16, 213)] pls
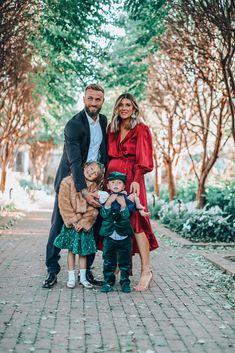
[(115, 122)]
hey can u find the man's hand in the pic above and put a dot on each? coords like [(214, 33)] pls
[(121, 201), (95, 194), (110, 200), (135, 187), (92, 200)]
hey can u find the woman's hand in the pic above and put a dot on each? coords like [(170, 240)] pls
[(135, 188)]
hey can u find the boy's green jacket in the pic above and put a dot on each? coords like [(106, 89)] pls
[(115, 220)]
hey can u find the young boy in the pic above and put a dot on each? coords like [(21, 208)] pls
[(117, 231)]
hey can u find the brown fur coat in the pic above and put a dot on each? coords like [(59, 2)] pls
[(73, 207)]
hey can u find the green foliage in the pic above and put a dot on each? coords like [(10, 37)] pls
[(7, 207), (216, 222), (66, 49), (206, 225), (10, 224), (29, 186), (154, 210), (223, 196), (164, 194), (171, 215), (187, 192), (126, 58)]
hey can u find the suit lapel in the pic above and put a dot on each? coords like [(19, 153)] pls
[(103, 127), (86, 126)]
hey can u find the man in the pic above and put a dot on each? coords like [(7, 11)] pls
[(84, 140)]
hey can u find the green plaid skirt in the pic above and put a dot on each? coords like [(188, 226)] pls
[(82, 243)]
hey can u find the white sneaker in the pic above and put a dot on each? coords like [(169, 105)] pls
[(71, 279), (86, 284)]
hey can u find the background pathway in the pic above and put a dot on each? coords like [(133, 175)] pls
[(187, 309)]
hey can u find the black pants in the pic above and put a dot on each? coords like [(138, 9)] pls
[(52, 252), (116, 252)]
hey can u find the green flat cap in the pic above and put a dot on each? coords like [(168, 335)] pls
[(117, 176)]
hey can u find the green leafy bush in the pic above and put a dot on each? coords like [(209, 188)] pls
[(174, 215), (155, 209), (187, 192), (206, 225), (30, 186), (223, 196), (164, 193), (9, 207)]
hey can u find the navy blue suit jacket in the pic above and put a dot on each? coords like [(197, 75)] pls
[(76, 146)]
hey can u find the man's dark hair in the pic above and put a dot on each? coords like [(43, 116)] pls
[(95, 87)]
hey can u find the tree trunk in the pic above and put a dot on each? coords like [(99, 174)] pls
[(228, 77), (156, 178), (3, 178), (171, 180), (4, 158), (201, 189)]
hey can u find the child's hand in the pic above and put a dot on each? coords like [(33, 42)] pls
[(121, 201), (77, 226), (110, 200)]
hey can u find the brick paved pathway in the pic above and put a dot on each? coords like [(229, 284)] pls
[(187, 308)]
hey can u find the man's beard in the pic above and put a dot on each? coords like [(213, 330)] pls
[(93, 114)]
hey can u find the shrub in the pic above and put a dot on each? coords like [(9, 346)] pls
[(30, 186), (174, 215), (223, 196), (208, 225), (187, 192), (205, 225), (8, 207), (154, 210)]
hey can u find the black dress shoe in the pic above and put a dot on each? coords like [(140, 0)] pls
[(50, 281), (90, 278)]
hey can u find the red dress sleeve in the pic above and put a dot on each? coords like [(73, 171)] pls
[(144, 152)]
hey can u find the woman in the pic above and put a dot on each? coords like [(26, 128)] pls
[(130, 152)]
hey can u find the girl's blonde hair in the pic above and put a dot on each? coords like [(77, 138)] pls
[(115, 122)]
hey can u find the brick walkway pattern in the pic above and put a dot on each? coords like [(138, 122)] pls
[(187, 308)]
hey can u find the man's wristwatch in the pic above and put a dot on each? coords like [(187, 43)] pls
[(84, 192)]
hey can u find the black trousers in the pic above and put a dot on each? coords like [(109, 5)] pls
[(52, 252), (116, 252)]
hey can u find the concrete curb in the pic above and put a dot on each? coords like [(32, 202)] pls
[(222, 261)]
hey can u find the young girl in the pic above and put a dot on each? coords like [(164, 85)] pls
[(79, 217)]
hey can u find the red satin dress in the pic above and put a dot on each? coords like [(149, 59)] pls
[(133, 156)]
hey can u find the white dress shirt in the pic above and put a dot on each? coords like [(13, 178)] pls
[(95, 140)]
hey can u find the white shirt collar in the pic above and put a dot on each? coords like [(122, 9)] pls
[(90, 120)]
